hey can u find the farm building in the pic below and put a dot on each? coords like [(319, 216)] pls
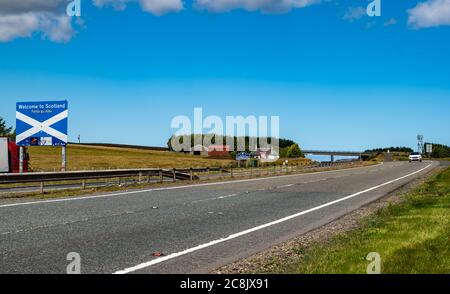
[(219, 150)]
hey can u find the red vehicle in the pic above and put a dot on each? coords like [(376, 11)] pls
[(10, 157)]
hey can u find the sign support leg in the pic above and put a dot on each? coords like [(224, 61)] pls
[(63, 165), (21, 155)]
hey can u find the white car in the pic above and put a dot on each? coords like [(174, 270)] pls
[(415, 156)]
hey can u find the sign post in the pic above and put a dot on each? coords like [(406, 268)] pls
[(42, 124), (429, 150), (63, 159), (21, 159)]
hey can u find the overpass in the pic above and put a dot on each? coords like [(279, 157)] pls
[(332, 154)]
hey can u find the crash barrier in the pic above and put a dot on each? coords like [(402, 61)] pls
[(141, 176)]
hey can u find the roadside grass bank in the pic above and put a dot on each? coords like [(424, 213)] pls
[(81, 157), (412, 237), (393, 156)]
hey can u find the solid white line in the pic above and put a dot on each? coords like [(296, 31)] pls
[(246, 232), (170, 188)]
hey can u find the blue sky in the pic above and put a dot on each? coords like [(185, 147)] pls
[(337, 78)]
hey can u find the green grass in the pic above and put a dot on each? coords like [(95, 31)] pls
[(412, 237), (400, 156)]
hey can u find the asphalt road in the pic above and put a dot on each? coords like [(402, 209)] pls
[(197, 228)]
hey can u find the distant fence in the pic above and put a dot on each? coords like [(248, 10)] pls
[(141, 176)]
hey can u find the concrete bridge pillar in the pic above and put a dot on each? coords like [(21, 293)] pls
[(332, 158)]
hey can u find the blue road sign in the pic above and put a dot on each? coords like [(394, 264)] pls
[(41, 123), (243, 156)]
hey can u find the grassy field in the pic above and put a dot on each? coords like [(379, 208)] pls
[(411, 237), (400, 156), (82, 157), (90, 157), (395, 156)]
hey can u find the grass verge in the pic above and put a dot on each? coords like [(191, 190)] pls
[(412, 237)]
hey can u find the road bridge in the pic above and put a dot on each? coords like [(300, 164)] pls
[(332, 154)]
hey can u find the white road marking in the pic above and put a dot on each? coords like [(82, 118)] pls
[(259, 190), (170, 188), (285, 186), (202, 200), (228, 196), (214, 198), (246, 232)]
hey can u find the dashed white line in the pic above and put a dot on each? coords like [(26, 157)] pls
[(228, 196), (214, 198), (285, 186)]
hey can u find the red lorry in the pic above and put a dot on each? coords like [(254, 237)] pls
[(10, 157)]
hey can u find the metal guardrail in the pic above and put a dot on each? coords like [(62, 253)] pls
[(184, 174), (36, 177)]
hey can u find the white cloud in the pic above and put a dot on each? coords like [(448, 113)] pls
[(22, 18), (160, 7), (24, 6), (57, 28), (354, 13), (156, 7), (117, 4), (431, 13), (269, 6), (390, 22), (21, 25)]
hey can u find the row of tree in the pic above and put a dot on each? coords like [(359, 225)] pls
[(215, 139), (292, 151), (288, 148), (440, 151), (391, 149), (6, 131)]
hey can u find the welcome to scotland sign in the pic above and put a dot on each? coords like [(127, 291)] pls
[(42, 123)]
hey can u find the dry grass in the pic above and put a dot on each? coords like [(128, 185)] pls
[(84, 157), (93, 157)]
